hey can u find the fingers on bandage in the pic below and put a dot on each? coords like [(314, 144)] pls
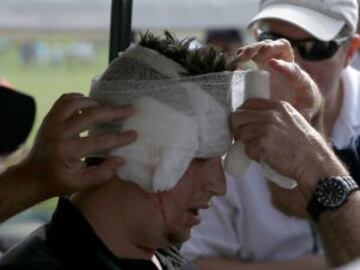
[(262, 52)]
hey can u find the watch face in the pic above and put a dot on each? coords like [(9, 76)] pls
[(331, 193)]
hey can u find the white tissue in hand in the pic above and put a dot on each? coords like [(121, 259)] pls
[(256, 85), (166, 144), (236, 161)]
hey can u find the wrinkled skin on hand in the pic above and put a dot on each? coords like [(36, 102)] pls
[(55, 161), (275, 132), (288, 81)]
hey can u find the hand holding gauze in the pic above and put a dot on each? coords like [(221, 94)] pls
[(257, 85)]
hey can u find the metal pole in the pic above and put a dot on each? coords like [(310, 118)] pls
[(120, 27)]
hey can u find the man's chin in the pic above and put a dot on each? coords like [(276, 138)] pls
[(177, 238)]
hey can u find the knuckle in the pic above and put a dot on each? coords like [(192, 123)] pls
[(266, 46), (246, 52), (68, 96), (68, 103), (267, 43), (284, 42)]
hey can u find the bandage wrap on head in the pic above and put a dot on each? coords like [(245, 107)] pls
[(177, 118)]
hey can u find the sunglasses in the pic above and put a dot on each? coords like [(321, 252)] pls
[(309, 49)]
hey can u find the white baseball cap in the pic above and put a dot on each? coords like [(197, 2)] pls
[(323, 19)]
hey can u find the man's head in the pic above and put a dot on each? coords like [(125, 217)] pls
[(157, 205), (322, 32)]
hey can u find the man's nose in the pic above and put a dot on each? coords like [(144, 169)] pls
[(216, 180)]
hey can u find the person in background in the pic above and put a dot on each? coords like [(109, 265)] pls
[(256, 224), (355, 62), (274, 132)]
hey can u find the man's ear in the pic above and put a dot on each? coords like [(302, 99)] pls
[(352, 49)]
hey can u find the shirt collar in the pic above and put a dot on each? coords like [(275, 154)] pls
[(73, 241)]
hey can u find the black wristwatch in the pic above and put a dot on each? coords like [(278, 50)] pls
[(330, 193)]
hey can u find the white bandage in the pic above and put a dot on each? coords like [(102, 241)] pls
[(158, 158), (177, 117)]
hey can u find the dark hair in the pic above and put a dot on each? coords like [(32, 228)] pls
[(197, 61)]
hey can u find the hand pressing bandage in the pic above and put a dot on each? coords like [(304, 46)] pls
[(282, 80), (257, 85), (288, 82)]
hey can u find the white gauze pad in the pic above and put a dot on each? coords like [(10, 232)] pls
[(159, 158)]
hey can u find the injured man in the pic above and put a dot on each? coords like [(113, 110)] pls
[(178, 102)]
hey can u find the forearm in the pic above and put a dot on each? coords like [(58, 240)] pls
[(340, 231), (308, 262), (339, 228), (18, 191)]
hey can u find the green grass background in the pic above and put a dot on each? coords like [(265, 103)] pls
[(46, 83)]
